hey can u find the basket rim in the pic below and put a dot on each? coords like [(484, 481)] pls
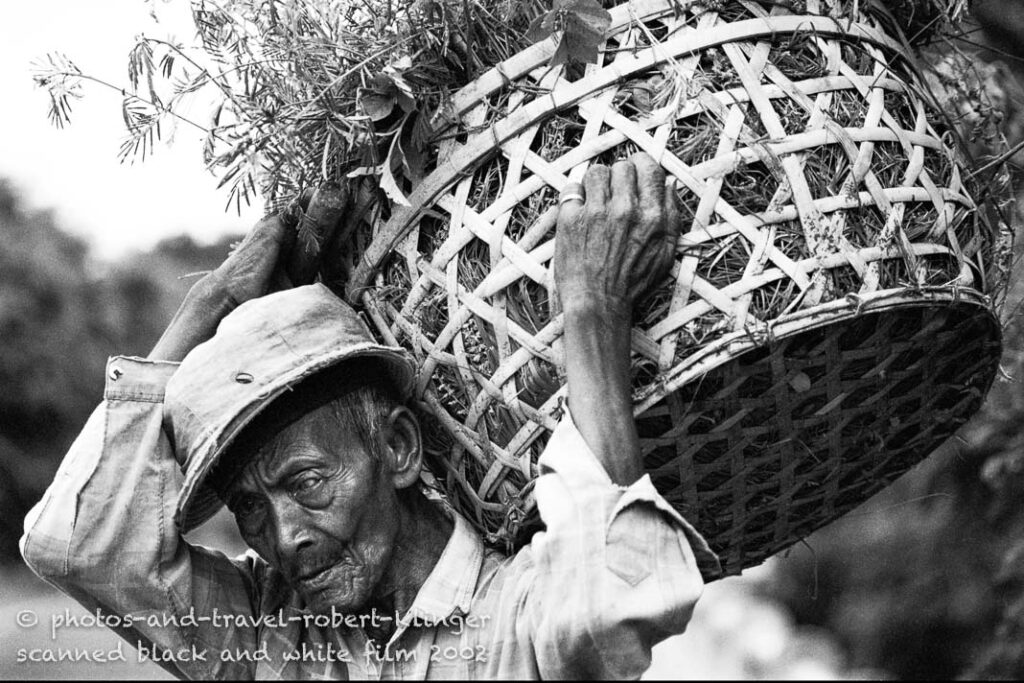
[(736, 344), (622, 15), (852, 306)]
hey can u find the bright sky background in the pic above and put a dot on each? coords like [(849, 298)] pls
[(75, 171)]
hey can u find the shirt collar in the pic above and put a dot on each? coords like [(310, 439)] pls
[(452, 583)]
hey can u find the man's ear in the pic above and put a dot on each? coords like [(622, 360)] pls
[(403, 447)]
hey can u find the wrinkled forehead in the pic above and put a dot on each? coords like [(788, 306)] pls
[(306, 437), (264, 452)]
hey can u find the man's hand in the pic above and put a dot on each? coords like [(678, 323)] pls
[(274, 255), (249, 270), (612, 245)]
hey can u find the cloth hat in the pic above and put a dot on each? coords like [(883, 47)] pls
[(260, 350)]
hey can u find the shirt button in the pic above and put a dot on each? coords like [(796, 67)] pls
[(115, 373)]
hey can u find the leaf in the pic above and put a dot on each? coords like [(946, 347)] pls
[(215, 116), (390, 187), (363, 170), (538, 31), (583, 24), (413, 135), (379, 97), (404, 93), (406, 102), (387, 179), (561, 55), (590, 13), (581, 43), (584, 31), (167, 65), (376, 105)]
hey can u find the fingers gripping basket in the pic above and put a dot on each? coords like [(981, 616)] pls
[(825, 325)]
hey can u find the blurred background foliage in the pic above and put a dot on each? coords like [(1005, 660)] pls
[(924, 581), (62, 314)]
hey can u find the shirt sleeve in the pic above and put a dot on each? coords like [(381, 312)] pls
[(104, 534), (616, 568)]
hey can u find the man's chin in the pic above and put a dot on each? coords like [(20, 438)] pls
[(324, 603)]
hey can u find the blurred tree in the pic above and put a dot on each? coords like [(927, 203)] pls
[(44, 305), (906, 581), (61, 315)]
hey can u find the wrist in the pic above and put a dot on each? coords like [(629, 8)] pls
[(608, 309), (597, 343)]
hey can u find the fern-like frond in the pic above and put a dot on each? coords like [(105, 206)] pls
[(62, 80)]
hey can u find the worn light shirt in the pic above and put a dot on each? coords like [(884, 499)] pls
[(614, 572)]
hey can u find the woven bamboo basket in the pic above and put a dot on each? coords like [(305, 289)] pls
[(828, 321)]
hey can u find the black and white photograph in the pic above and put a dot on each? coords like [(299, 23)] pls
[(512, 339)]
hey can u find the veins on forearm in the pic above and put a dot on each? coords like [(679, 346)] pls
[(597, 362)]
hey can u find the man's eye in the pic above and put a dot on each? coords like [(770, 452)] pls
[(307, 484), (247, 506)]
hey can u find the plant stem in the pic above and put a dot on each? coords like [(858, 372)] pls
[(124, 92), (1005, 156)]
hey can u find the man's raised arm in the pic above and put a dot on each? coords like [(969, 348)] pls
[(104, 531), (609, 252), (617, 567)]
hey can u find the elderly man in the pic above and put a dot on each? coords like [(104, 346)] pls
[(291, 414)]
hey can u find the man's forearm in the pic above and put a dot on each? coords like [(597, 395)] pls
[(196, 320), (597, 343)]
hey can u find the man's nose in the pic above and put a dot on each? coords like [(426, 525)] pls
[(293, 530)]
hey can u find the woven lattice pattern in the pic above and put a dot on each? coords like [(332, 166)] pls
[(809, 173), (789, 436)]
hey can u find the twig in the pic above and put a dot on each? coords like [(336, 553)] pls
[(1005, 156), (124, 92), (993, 49)]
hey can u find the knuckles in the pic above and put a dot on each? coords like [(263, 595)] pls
[(625, 210), (595, 214), (653, 217)]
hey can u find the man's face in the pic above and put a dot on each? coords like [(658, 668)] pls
[(316, 506)]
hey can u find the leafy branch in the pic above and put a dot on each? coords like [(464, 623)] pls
[(63, 82), (311, 91), (582, 23)]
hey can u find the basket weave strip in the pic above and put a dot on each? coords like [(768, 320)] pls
[(462, 277), (623, 17), (839, 312)]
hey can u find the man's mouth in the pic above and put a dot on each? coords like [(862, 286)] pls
[(314, 575)]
